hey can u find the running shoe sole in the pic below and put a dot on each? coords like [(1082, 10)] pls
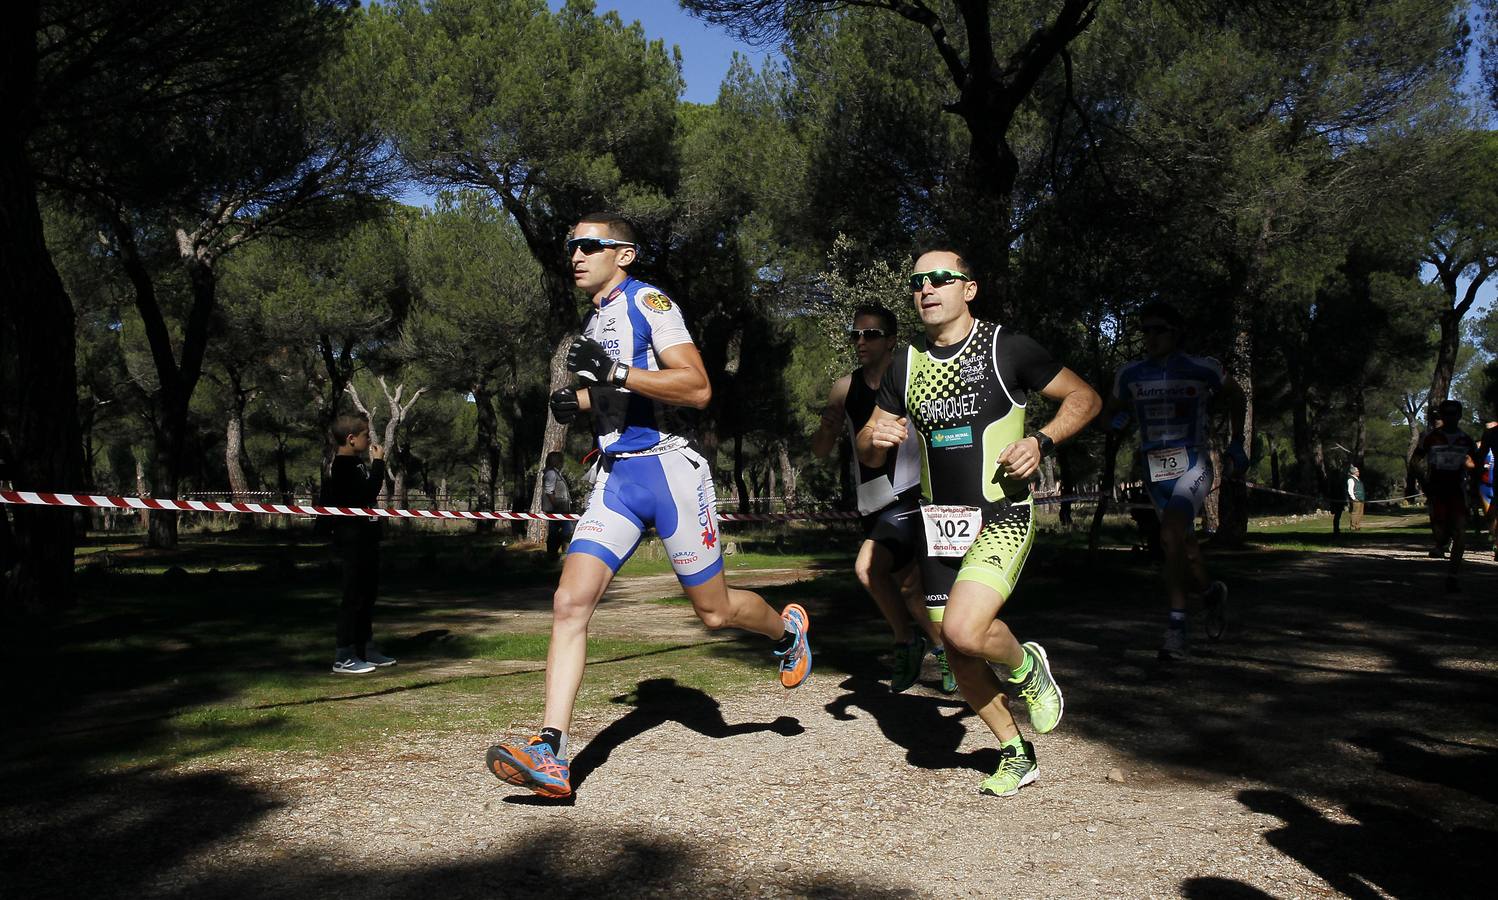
[(1060, 698), (1029, 778), (507, 768), (352, 670), (805, 642)]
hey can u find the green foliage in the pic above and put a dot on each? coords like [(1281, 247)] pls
[(556, 113)]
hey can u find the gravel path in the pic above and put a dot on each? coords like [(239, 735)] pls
[(1342, 743)]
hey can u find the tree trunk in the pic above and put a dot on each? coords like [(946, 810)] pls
[(1357, 405), (142, 489), (1233, 497), (234, 452), (283, 482), (1460, 302), (1232, 528), (170, 439), (339, 365), (1413, 409), (1104, 489), (486, 447), (1446, 350), (39, 434), (555, 435), (787, 475), (738, 472)]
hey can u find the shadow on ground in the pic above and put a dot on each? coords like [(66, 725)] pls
[(1348, 681), (124, 836)]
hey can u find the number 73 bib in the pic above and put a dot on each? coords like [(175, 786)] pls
[(950, 530), (1167, 463)]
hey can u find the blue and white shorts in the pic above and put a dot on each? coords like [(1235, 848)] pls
[(1188, 492), (672, 491)]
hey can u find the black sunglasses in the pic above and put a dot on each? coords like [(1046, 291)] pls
[(590, 245), (867, 334), (937, 277)]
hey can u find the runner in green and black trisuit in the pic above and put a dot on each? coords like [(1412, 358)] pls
[(962, 394)]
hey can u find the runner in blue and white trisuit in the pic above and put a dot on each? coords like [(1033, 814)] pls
[(1167, 394), (888, 503), (638, 368)]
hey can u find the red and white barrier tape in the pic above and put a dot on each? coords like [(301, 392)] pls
[(99, 501)]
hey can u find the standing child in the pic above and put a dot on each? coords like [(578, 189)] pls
[(356, 540)]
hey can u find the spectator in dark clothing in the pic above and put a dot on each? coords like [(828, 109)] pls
[(356, 541)]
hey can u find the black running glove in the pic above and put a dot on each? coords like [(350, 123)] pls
[(564, 404), (592, 363)]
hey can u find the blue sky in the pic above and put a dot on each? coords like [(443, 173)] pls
[(705, 50)]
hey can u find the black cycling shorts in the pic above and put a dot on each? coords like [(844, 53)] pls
[(897, 528)]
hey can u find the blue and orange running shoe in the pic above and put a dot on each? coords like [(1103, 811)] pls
[(532, 766), (795, 663)]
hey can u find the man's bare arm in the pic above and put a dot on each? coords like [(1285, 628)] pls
[(681, 380), (883, 431), (1079, 405), (825, 438)]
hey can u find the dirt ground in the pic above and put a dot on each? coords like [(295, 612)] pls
[(1341, 740)]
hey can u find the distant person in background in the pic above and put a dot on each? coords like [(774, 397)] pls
[(556, 497), (1355, 497), (356, 541), (1487, 447), (1448, 454), (1167, 393)]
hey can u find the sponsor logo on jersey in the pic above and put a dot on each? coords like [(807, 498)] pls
[(949, 408), (1166, 390), (685, 557), (656, 300), (971, 370), (1165, 433), (588, 528), (952, 437), (705, 519), (1159, 411), (936, 599)]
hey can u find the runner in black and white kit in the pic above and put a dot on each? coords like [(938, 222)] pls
[(888, 502)]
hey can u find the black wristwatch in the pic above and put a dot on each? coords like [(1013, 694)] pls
[(619, 373), (1047, 446)]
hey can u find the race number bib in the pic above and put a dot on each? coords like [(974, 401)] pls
[(950, 530), (1167, 463)]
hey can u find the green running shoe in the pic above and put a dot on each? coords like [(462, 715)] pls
[(1040, 692), (1016, 769), (908, 657), (948, 680)]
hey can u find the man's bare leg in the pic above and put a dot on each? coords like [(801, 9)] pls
[(584, 579), (873, 570), (975, 638), (720, 606)]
